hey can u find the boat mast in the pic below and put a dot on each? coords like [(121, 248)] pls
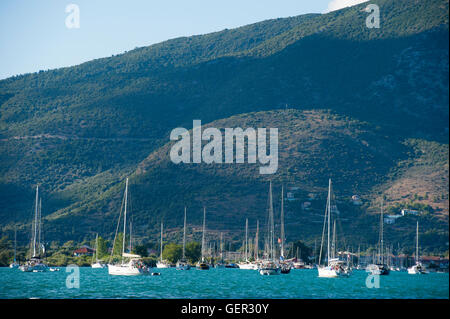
[(271, 223), (15, 243), (257, 240), (35, 220), (125, 218), (333, 243), (39, 227), (246, 239), (282, 221), (221, 247), (184, 233), (161, 244), (203, 234), (381, 234), (96, 248), (417, 242), (329, 221)]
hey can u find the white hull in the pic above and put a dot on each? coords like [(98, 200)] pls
[(125, 270), (14, 265), (248, 266), (330, 272), (269, 271), (162, 265), (416, 270), (98, 265)]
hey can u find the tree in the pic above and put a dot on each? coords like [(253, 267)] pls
[(141, 250), (193, 251), (5, 251), (118, 244), (102, 247), (172, 252)]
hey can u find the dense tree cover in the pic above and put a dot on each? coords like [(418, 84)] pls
[(79, 131)]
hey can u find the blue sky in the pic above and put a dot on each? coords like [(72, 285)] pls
[(33, 34)]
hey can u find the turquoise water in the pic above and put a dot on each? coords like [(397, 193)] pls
[(219, 283)]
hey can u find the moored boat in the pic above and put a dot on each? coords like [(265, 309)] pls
[(35, 263), (418, 268), (334, 268), (134, 266), (182, 264)]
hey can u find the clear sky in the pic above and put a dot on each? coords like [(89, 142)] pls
[(34, 36)]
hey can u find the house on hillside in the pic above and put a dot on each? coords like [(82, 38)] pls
[(410, 212), (84, 251), (356, 200), (390, 219)]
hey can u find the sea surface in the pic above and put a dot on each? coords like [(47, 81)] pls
[(218, 283)]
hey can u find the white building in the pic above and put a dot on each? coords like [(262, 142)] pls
[(356, 200), (410, 212), (390, 219)]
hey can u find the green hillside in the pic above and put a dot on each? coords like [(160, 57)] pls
[(366, 107)]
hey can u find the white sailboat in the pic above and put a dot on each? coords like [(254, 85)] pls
[(247, 264), (14, 264), (162, 263), (97, 264), (221, 263), (35, 263), (418, 268), (335, 267), (284, 264), (379, 268), (202, 265), (182, 264), (270, 266), (134, 266)]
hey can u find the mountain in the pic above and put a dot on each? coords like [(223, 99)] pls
[(367, 107)]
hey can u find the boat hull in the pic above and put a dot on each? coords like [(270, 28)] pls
[(416, 270), (248, 266), (162, 265), (331, 272), (269, 271), (98, 265), (202, 266), (125, 270), (183, 266), (34, 268), (376, 269)]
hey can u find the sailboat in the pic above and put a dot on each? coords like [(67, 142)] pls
[(270, 266), (418, 268), (247, 264), (284, 264), (182, 264), (15, 264), (221, 263), (202, 265), (134, 266), (162, 263), (335, 267), (380, 268), (35, 263), (97, 264)]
